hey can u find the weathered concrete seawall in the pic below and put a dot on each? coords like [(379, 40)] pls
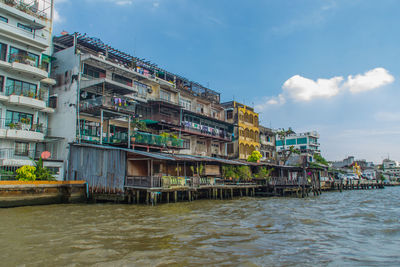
[(18, 193)]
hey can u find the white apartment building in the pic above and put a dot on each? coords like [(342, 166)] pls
[(307, 143), (25, 62)]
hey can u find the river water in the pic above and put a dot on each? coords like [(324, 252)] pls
[(353, 228)]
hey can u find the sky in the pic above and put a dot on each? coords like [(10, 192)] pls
[(330, 66)]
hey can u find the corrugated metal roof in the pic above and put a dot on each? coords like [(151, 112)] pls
[(182, 157)]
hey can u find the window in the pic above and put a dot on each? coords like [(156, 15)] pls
[(185, 103), (22, 56), (229, 114), (20, 88), (164, 95), (186, 143), (1, 83), (54, 170), (122, 79), (200, 108), (215, 114), (24, 27), (21, 149), (3, 51), (3, 19), (201, 143), (302, 140), (230, 148), (291, 142), (93, 71), (142, 88), (15, 117)]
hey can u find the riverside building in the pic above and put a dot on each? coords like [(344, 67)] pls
[(307, 143), (108, 97), (247, 131), (25, 63)]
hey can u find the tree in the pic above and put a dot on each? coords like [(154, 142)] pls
[(255, 156), (285, 153), (321, 160)]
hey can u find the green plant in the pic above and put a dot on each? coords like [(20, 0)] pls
[(255, 156), (264, 173), (12, 125), (321, 160), (229, 172), (243, 173), (42, 173), (26, 173)]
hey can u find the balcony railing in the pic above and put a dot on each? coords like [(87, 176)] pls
[(33, 8), (36, 94), (23, 58), (11, 153), (23, 125), (136, 139), (156, 140), (117, 103), (205, 130)]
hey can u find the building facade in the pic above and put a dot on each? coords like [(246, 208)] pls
[(246, 134), (25, 63), (267, 143), (307, 143), (108, 97)]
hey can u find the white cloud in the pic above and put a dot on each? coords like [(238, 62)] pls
[(57, 18), (303, 89), (156, 4), (387, 116), (123, 3), (271, 101), (299, 88), (368, 81)]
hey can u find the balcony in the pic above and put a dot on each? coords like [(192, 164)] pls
[(23, 130), (201, 130), (12, 157), (156, 140), (32, 39), (137, 139), (28, 98), (22, 63), (113, 103)]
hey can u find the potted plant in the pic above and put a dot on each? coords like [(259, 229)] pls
[(10, 2), (31, 94), (12, 125)]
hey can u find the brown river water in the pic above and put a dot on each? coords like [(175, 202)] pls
[(353, 228)]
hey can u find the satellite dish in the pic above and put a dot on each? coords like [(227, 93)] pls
[(45, 155)]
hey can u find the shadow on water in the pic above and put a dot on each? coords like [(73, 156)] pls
[(356, 228)]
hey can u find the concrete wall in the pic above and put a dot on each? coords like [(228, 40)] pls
[(16, 193), (63, 122)]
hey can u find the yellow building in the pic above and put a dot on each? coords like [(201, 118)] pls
[(247, 132)]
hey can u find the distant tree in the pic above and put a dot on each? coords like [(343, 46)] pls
[(321, 160)]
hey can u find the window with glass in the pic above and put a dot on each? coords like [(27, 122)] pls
[(14, 117), (186, 143), (165, 95), (22, 56), (200, 108), (93, 71), (21, 149), (3, 51), (21, 88), (1, 83), (3, 19), (142, 88), (24, 27), (185, 103)]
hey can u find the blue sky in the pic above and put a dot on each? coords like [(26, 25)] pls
[(330, 66)]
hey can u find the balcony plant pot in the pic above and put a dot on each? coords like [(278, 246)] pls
[(133, 139)]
